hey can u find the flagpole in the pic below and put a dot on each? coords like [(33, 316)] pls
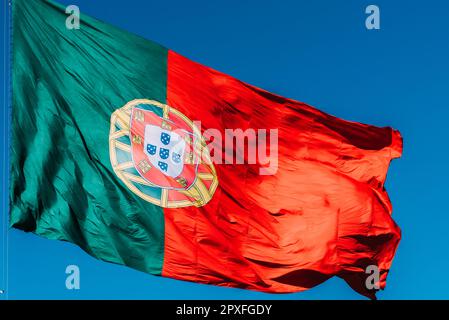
[(7, 63)]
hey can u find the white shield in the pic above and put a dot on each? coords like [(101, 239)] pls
[(165, 150)]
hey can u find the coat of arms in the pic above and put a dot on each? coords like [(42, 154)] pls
[(159, 155)]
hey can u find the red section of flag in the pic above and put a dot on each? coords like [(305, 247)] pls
[(325, 212)]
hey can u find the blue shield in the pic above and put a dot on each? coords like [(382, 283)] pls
[(151, 149), (176, 157), (164, 153), (165, 138), (163, 166)]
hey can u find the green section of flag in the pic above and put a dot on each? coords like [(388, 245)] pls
[(66, 85)]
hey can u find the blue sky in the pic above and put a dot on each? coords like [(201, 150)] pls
[(318, 52)]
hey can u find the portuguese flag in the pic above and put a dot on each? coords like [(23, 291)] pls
[(118, 146)]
